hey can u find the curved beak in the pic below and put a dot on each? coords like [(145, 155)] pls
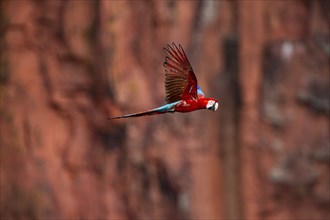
[(215, 106)]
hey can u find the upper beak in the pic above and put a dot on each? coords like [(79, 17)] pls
[(215, 106)]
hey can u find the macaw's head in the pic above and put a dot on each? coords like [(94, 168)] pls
[(211, 104)]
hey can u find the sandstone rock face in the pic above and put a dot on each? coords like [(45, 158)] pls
[(68, 65)]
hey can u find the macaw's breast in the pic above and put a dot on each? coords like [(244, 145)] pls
[(188, 105)]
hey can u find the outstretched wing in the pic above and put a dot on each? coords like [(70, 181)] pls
[(180, 80)]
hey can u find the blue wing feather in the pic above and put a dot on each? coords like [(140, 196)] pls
[(200, 93)]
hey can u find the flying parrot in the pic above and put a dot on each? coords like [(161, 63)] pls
[(183, 94)]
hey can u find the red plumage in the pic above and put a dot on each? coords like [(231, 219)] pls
[(180, 79), (182, 91)]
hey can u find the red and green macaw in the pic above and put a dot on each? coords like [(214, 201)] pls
[(182, 91)]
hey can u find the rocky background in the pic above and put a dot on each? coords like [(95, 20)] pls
[(66, 65)]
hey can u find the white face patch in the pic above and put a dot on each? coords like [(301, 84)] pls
[(212, 105)]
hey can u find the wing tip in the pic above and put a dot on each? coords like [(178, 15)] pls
[(169, 46)]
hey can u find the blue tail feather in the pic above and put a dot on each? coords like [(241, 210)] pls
[(160, 110)]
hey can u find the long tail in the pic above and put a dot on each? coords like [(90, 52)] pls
[(161, 110), (151, 112)]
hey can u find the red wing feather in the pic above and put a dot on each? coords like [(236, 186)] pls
[(180, 80)]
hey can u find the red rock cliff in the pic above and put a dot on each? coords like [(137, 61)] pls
[(68, 65)]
